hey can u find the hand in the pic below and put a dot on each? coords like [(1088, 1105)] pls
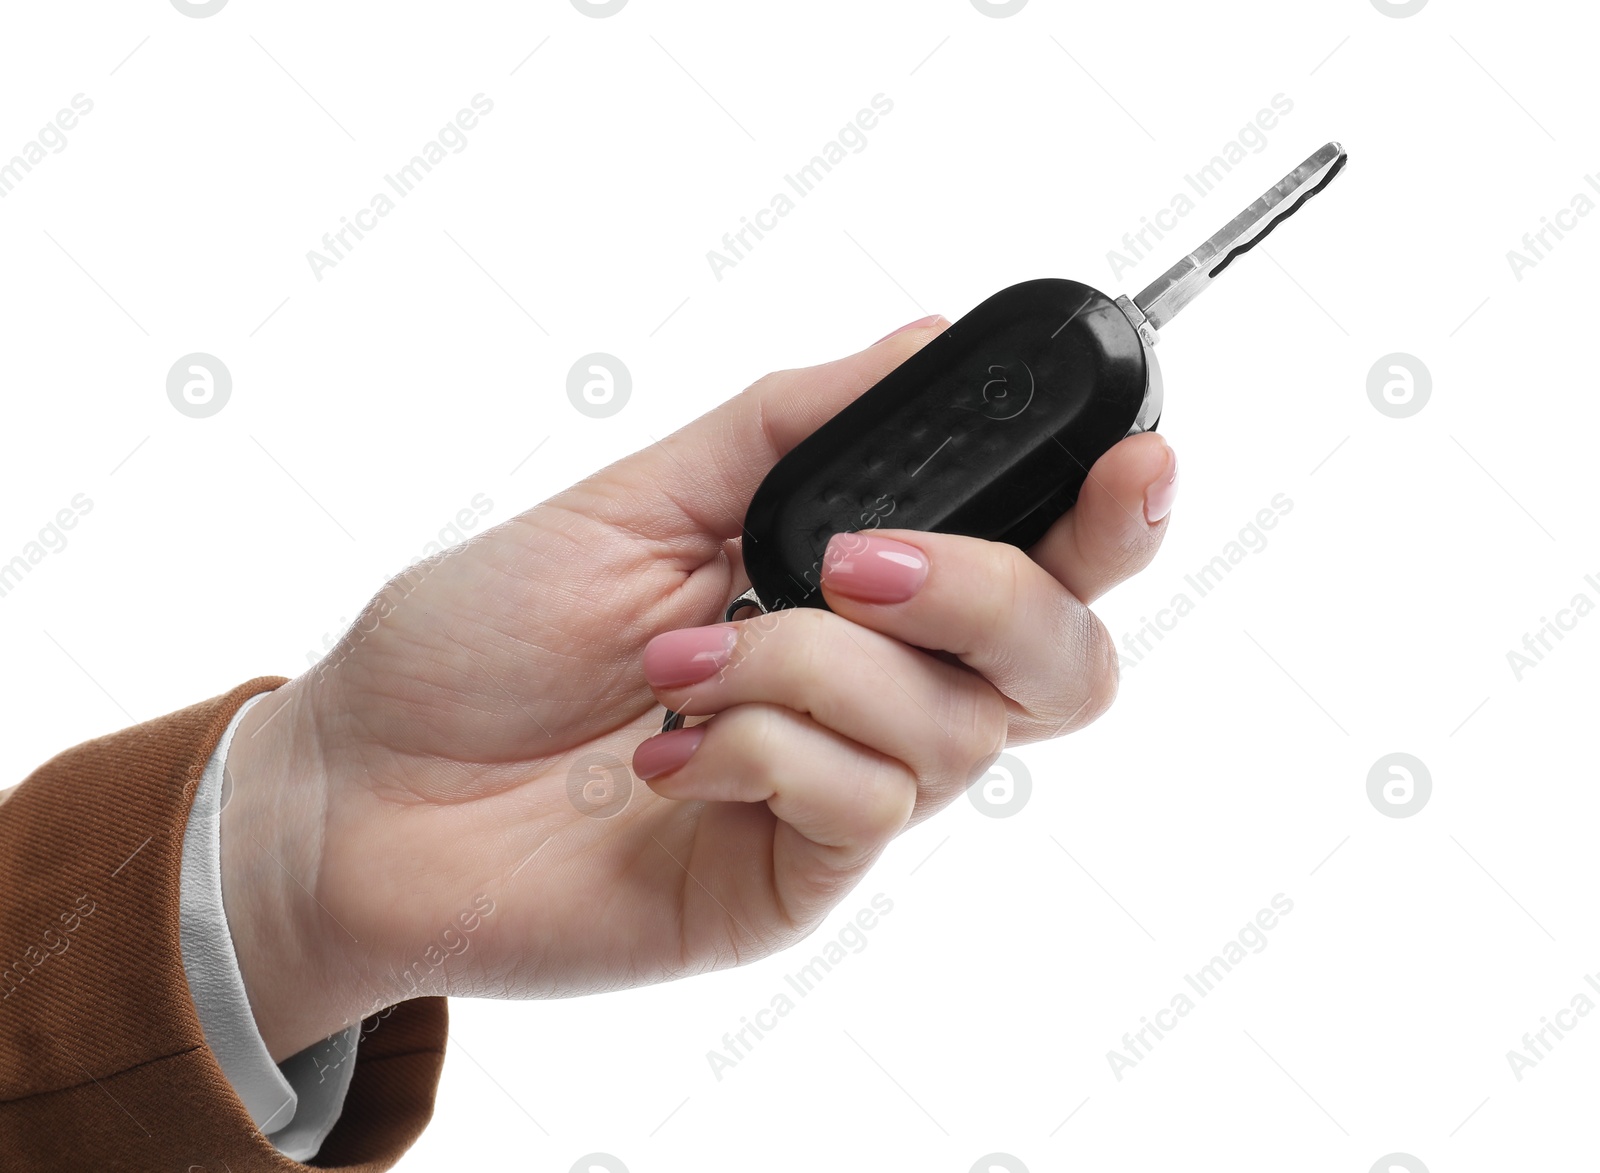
[(406, 819)]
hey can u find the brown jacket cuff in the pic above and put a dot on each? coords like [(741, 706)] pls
[(103, 1062)]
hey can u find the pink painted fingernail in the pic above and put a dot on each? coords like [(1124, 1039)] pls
[(1163, 491), (665, 752), (677, 658), (873, 569), (930, 320)]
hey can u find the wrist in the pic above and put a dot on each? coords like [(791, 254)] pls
[(292, 952)]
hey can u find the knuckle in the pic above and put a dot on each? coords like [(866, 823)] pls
[(1000, 601), (991, 612), (806, 637), (777, 635), (982, 730), (815, 643), (886, 799), (1101, 670), (796, 655), (767, 383), (879, 804), (1084, 681), (754, 740)]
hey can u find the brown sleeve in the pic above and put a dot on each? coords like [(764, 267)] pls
[(103, 1063)]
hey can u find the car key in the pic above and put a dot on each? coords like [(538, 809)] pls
[(991, 428)]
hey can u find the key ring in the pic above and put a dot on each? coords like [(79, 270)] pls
[(674, 721)]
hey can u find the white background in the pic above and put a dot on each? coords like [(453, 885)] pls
[(369, 406)]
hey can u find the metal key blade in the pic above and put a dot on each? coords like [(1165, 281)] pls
[(1161, 300)]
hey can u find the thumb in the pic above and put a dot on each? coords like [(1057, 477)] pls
[(704, 474)]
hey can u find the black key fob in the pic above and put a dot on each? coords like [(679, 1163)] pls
[(988, 431)]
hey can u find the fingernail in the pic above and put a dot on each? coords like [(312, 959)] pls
[(665, 752), (684, 657), (873, 569), (930, 320), (1163, 491)]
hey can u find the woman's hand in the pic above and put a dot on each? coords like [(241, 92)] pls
[(443, 805)]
